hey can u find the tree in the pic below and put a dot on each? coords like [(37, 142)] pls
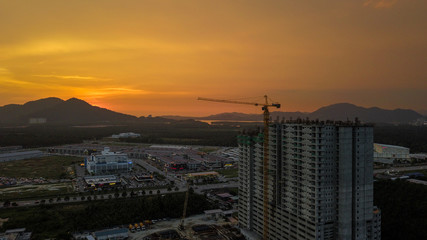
[(50, 200), (67, 198), (89, 198), (176, 189), (150, 192), (83, 198), (116, 195), (158, 191), (58, 199), (110, 196), (169, 189), (124, 194)]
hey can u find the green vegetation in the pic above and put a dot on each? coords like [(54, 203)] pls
[(49, 167), (35, 191), (403, 209), (55, 221), (229, 173), (175, 132), (182, 132)]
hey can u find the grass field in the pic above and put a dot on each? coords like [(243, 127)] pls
[(229, 173), (35, 191), (49, 167)]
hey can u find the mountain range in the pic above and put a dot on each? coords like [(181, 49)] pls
[(75, 111), (339, 111)]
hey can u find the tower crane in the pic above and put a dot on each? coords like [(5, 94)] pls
[(265, 107)]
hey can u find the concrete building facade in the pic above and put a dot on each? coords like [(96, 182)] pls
[(320, 181)]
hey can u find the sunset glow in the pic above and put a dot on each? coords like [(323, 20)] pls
[(156, 57)]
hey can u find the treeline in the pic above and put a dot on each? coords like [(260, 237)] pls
[(403, 209), (58, 220), (413, 137), (185, 132)]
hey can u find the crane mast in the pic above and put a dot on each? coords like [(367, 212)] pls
[(266, 120), (184, 211)]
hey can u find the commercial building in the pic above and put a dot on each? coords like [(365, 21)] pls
[(185, 159), (390, 154), (320, 182), (108, 163)]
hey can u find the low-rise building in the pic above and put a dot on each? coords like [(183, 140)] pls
[(111, 234), (102, 181), (16, 234)]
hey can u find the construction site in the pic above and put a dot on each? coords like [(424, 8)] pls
[(196, 228)]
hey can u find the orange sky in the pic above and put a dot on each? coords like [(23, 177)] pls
[(156, 57)]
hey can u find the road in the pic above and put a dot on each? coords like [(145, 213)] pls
[(401, 169), (198, 189)]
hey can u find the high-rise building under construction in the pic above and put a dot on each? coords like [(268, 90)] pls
[(320, 183)]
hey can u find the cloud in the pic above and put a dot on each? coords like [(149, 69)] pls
[(70, 77), (4, 72), (114, 91), (379, 3)]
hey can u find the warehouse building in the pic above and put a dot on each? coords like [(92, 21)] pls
[(390, 154)]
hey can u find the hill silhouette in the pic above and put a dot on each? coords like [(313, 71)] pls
[(58, 111), (339, 111), (75, 111)]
